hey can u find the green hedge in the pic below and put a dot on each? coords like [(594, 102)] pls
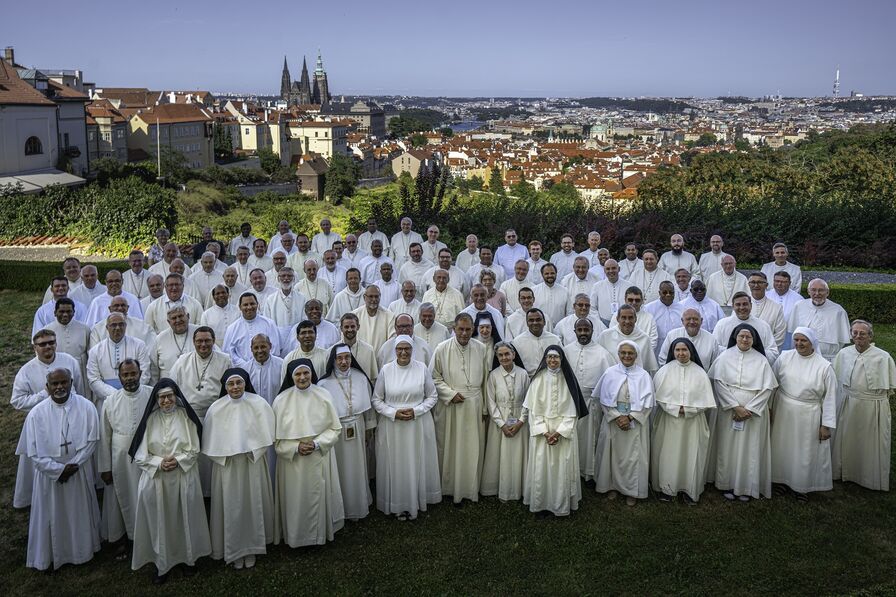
[(873, 302), (36, 275)]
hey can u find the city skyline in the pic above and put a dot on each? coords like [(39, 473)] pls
[(689, 49)]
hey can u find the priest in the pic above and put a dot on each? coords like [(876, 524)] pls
[(118, 422), (59, 438), (824, 316)]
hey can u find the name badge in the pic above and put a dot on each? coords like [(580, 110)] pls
[(348, 433), (512, 421), (738, 425), (614, 307)]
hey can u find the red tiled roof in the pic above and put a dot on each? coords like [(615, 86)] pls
[(171, 113), (16, 92)]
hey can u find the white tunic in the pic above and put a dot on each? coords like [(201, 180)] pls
[(671, 262), (169, 347), (400, 246), (366, 237), (709, 310), (448, 304), (218, 319), (433, 336), (710, 263), (564, 262), (200, 379), (806, 399), (121, 414), (506, 458), (606, 297), (170, 527), (321, 242), (238, 339), (530, 348), (829, 321), (29, 390), (99, 308), (566, 327), (63, 526), (723, 330), (742, 459), (796, 275), (552, 472), (308, 504), (460, 370), (102, 365), (721, 287), (704, 342), (415, 271), (649, 282), (552, 300), (407, 465), (344, 302), (236, 436), (156, 315), (285, 310), (376, 329), (771, 313), (588, 362), (350, 393)]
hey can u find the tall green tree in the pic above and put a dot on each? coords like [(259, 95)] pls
[(495, 182), (269, 160), (341, 178)]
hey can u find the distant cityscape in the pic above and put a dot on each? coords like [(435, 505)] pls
[(55, 125)]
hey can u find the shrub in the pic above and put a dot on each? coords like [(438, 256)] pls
[(36, 275)]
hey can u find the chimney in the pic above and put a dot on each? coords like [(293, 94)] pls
[(9, 54)]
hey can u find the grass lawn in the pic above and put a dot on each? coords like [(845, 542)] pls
[(842, 541)]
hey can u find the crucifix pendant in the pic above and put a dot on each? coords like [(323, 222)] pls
[(199, 387), (65, 445)]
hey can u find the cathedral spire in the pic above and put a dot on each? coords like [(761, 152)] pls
[(285, 82)]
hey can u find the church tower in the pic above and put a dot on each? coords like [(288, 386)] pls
[(304, 85), (284, 82), (321, 86)]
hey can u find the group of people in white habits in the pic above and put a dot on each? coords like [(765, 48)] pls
[(279, 385)]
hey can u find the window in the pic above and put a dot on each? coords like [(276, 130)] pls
[(247, 131), (33, 146)]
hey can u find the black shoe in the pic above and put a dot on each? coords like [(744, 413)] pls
[(158, 579), (664, 497), (189, 571)]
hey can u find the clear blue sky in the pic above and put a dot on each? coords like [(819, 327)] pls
[(481, 47)]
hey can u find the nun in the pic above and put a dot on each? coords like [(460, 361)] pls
[(308, 504), (555, 404), (170, 527), (507, 441), (743, 382), (350, 390), (625, 394), (805, 412), (680, 443), (238, 430), (407, 464)]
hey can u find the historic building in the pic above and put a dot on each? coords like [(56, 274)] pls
[(305, 90)]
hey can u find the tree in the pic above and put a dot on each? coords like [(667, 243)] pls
[(223, 142), (418, 140), (270, 161), (706, 140), (447, 131), (495, 182), (341, 178), (742, 145)]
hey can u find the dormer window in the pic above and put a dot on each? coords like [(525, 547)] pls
[(33, 146)]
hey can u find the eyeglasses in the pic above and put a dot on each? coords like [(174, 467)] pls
[(45, 344)]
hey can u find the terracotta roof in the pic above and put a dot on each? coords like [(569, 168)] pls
[(171, 113), (132, 97), (64, 92), (16, 92)]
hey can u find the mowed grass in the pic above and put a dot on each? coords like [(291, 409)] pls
[(842, 541)]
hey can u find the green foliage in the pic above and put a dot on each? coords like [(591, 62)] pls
[(861, 105), (831, 198), (871, 302), (484, 114), (233, 176), (415, 120), (341, 178), (270, 161), (174, 166), (495, 182), (418, 140), (108, 169), (124, 213), (706, 140), (659, 106), (36, 275), (223, 142), (447, 131)]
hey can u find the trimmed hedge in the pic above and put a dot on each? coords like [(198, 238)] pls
[(36, 275), (873, 302)]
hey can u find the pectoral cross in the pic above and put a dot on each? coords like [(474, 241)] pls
[(65, 445)]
